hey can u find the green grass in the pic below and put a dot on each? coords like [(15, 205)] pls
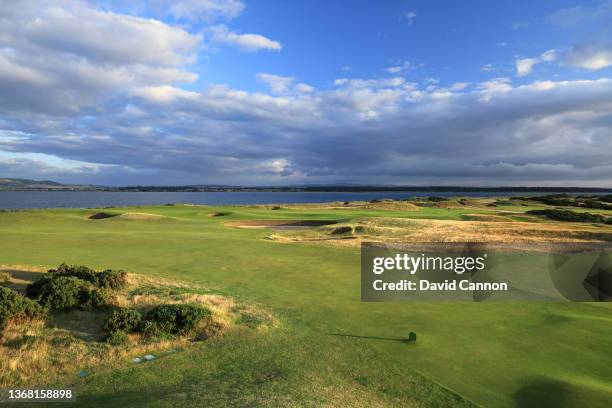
[(494, 354)]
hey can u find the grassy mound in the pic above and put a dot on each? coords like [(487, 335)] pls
[(35, 350)]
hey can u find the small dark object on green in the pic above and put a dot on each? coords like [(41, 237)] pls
[(412, 337)]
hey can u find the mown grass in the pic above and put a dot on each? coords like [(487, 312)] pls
[(526, 354)]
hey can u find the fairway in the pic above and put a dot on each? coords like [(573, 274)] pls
[(329, 348)]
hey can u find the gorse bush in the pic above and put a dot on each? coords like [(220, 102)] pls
[(111, 279), (77, 271), (117, 338), (123, 319), (179, 318), (56, 293), (108, 278), (15, 307), (95, 298), (568, 215)]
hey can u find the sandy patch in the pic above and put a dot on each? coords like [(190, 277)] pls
[(279, 224), (141, 216)]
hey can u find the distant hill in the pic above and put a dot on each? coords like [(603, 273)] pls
[(18, 182), (27, 184), (47, 185)]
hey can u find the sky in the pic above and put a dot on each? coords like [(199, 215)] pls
[(160, 92)]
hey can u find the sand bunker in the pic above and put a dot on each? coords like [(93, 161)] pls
[(280, 224), (102, 215)]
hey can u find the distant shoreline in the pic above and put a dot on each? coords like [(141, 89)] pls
[(315, 189)]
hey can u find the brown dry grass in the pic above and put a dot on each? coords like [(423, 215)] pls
[(495, 229), (485, 217), (37, 353)]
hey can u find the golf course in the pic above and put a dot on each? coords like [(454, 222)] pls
[(301, 265)]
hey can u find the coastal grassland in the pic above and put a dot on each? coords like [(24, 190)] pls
[(329, 349), (49, 349)]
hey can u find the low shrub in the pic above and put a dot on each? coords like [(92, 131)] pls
[(95, 298), (117, 338), (76, 271), (149, 329), (56, 293), (123, 319), (111, 279), (436, 199), (568, 215), (178, 318), (14, 307)]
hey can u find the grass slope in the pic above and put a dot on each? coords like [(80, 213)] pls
[(494, 354)]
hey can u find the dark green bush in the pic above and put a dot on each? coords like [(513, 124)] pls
[(95, 298), (111, 279), (178, 319), (568, 215), (117, 338), (149, 329), (123, 319), (77, 271), (56, 293), (108, 278), (15, 307)]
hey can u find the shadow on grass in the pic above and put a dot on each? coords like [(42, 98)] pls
[(545, 392), (19, 279), (85, 325), (399, 339)]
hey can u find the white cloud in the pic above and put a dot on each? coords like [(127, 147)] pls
[(304, 88), (398, 69), (459, 86), (247, 42), (524, 66), (591, 57), (206, 10), (488, 68), (122, 117), (518, 25), (582, 15), (277, 84), (65, 56), (408, 17)]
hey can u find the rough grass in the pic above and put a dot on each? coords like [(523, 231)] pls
[(39, 353), (474, 228)]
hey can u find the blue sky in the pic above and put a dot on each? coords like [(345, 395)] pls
[(278, 93)]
